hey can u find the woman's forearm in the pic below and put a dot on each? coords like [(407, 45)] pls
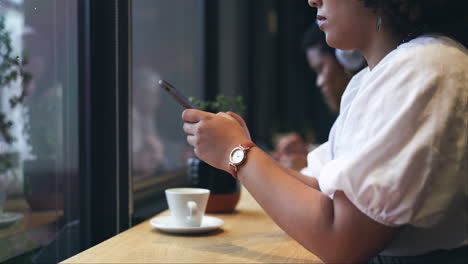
[(328, 228), (312, 182), (299, 209)]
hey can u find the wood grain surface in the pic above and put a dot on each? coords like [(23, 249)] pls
[(247, 236)]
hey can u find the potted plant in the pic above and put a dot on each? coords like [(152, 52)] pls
[(47, 138), (225, 190), (14, 140)]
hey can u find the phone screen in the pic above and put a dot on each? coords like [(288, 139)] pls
[(182, 100)]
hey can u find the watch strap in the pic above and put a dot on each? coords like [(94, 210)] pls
[(235, 168), (248, 145)]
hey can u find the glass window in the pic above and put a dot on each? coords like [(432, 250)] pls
[(167, 44), (38, 129)]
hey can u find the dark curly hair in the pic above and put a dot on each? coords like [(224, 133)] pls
[(411, 18)]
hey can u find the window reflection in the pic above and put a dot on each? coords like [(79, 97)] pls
[(38, 206), (148, 148), (167, 44)]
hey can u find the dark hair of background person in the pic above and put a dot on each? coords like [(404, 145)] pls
[(314, 37), (412, 18)]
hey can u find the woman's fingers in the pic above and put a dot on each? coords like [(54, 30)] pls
[(212, 136), (191, 140), (193, 115), (189, 128)]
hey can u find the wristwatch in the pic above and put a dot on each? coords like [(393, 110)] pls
[(238, 157)]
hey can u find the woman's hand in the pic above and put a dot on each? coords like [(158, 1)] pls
[(213, 136), (241, 122)]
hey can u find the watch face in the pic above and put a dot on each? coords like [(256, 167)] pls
[(237, 156)]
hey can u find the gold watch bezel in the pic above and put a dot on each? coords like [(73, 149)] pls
[(232, 162)]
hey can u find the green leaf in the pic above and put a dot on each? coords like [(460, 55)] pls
[(11, 69)]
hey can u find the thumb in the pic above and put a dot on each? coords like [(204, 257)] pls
[(193, 115), (241, 122), (238, 118)]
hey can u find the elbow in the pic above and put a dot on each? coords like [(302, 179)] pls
[(342, 258), (336, 252), (332, 251)]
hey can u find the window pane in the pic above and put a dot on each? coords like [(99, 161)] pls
[(38, 47), (167, 44)]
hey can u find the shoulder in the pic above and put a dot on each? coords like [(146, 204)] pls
[(354, 85), (425, 64), (427, 75), (429, 53)]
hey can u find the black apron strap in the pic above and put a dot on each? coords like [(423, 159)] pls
[(452, 256)]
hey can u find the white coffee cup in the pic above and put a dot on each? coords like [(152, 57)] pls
[(187, 205)]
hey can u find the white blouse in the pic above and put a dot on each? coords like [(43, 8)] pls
[(399, 148)]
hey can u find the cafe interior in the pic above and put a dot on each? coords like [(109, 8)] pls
[(99, 154), (98, 141)]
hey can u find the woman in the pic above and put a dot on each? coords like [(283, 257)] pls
[(387, 186)]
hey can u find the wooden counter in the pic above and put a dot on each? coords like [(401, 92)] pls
[(34, 230), (247, 236)]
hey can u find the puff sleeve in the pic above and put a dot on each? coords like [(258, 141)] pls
[(399, 147)]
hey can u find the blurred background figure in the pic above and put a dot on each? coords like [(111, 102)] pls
[(291, 150), (334, 69), (148, 150)]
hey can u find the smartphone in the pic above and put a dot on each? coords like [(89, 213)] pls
[(182, 100)]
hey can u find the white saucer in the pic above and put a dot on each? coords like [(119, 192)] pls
[(9, 218), (164, 223)]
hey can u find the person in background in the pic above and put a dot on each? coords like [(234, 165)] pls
[(290, 150), (334, 69), (148, 149), (388, 185)]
